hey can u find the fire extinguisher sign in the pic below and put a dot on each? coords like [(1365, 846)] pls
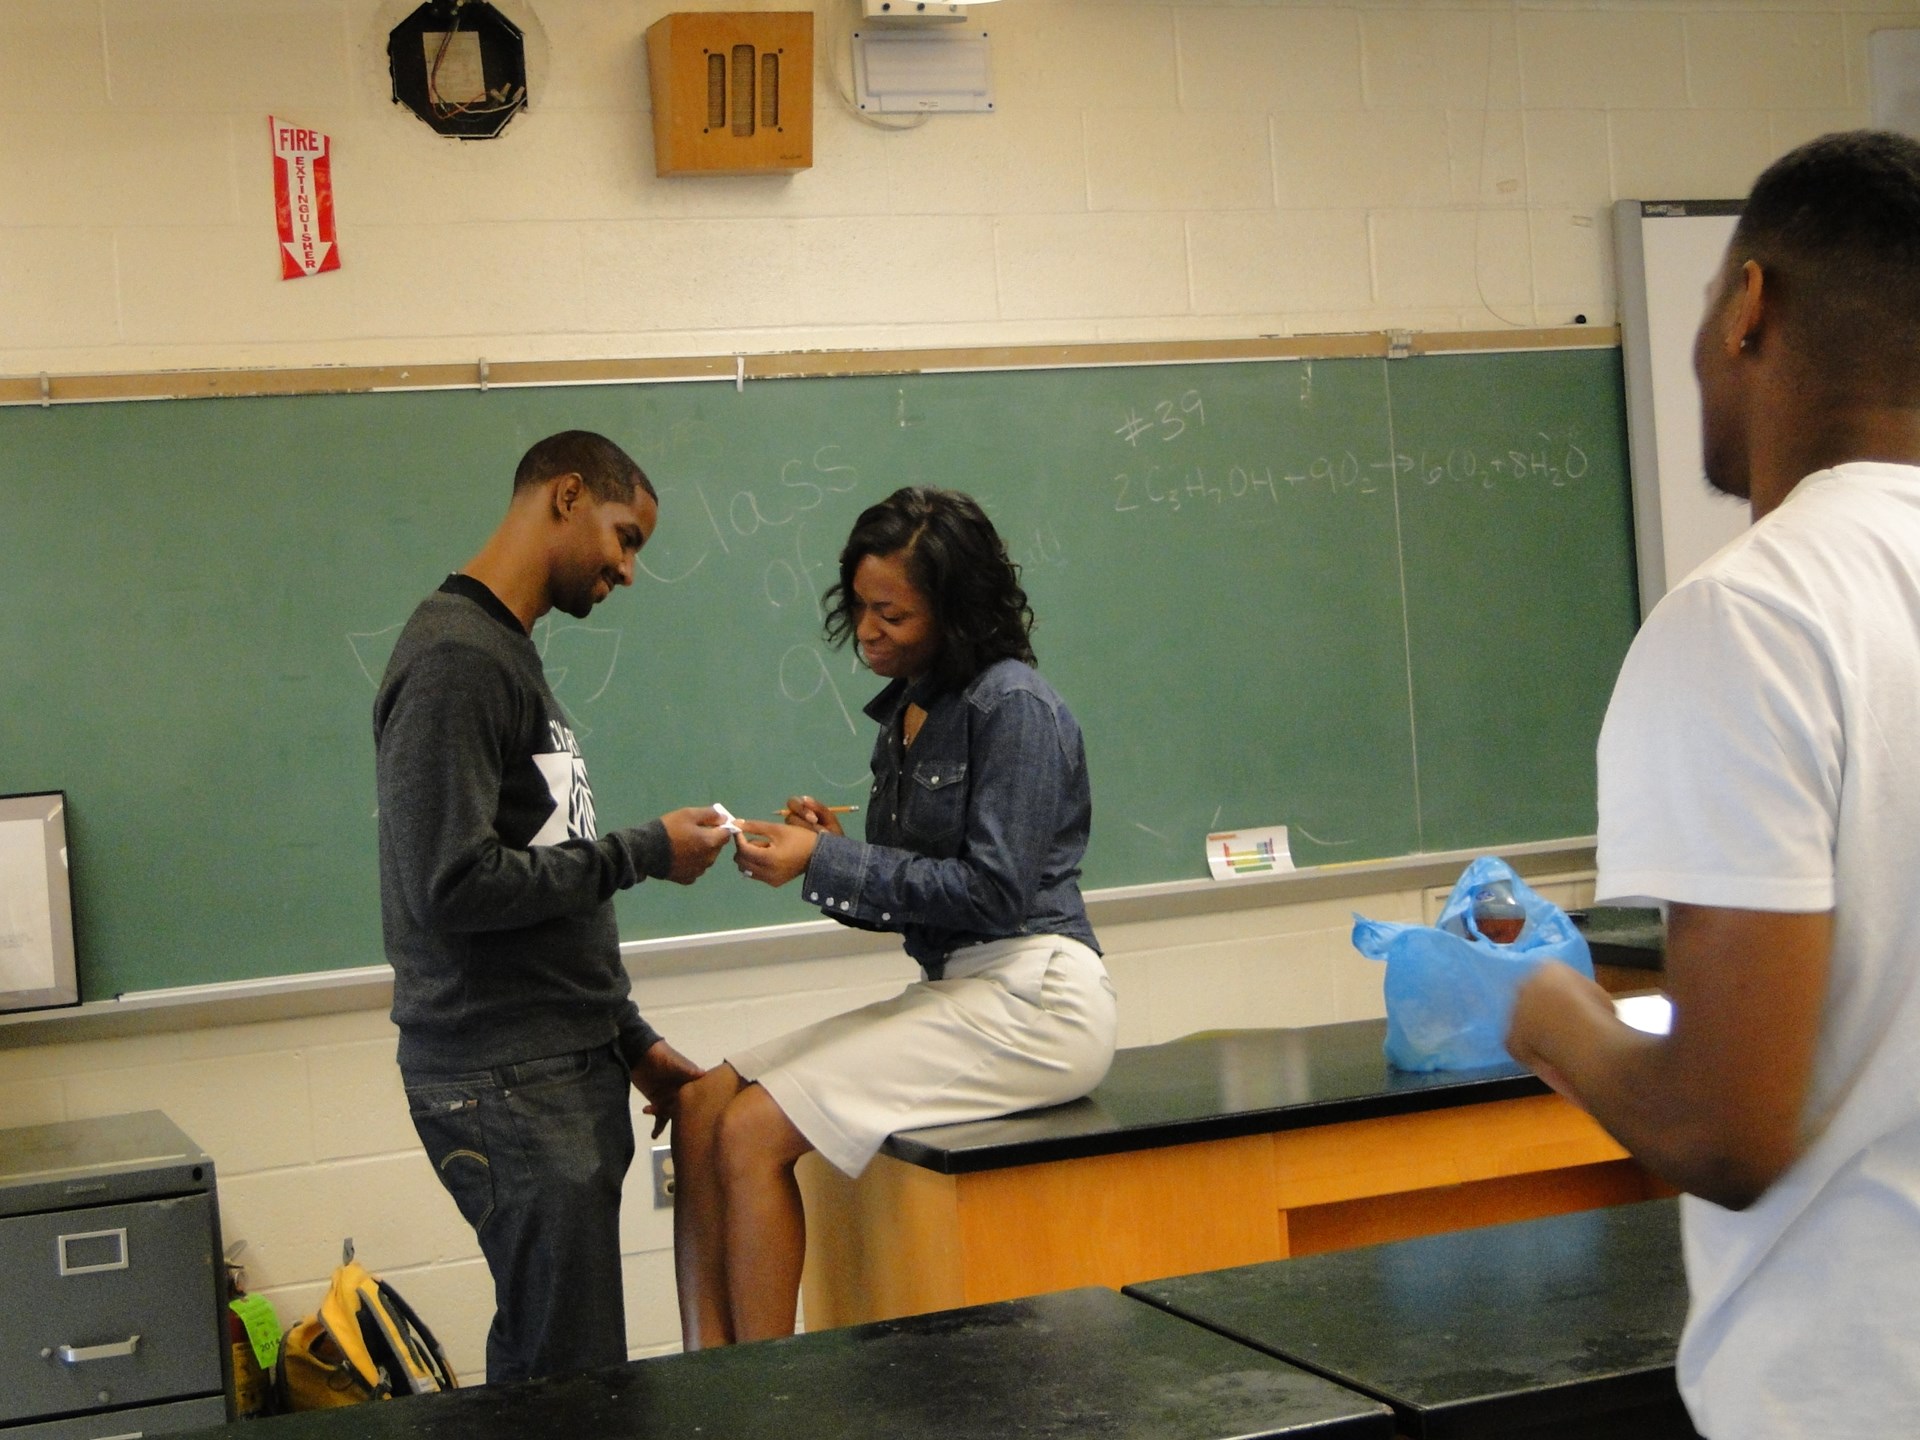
[(303, 199)]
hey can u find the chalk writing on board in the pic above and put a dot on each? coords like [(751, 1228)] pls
[(801, 485), (797, 493), (1345, 471), (647, 564), (1330, 844), (1172, 489), (789, 581), (371, 649), (1165, 420), (1540, 457), (747, 518), (567, 646), (1045, 548), (576, 657), (804, 674), (780, 583)]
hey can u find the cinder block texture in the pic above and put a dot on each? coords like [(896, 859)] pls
[(136, 224)]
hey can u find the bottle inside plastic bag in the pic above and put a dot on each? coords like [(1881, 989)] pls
[(1497, 912), (1450, 986)]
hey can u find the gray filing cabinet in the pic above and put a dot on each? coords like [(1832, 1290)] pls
[(113, 1320)]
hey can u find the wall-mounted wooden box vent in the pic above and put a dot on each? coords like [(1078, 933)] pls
[(732, 92)]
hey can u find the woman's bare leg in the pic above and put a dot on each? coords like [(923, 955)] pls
[(699, 1209), (764, 1225)]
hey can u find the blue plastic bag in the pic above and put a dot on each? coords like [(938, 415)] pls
[(1450, 990)]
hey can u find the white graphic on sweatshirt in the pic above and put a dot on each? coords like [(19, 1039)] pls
[(566, 775)]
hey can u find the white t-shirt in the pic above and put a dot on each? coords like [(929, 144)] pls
[(1762, 752)]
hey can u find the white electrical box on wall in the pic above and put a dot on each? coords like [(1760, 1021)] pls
[(922, 69)]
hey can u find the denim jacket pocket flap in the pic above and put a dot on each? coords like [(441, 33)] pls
[(939, 775)]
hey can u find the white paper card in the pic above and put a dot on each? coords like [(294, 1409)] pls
[(1651, 1013), (1238, 854)]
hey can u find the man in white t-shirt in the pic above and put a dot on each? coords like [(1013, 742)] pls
[(1760, 776)]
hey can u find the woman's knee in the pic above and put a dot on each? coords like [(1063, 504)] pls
[(702, 1102), (755, 1135)]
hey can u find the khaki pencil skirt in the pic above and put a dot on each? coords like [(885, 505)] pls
[(1014, 1024)]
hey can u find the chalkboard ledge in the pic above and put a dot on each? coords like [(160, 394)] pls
[(89, 388), (370, 987)]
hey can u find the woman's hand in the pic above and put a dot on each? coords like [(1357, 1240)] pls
[(809, 813), (774, 854)]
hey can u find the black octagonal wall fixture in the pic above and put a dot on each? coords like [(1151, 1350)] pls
[(461, 66)]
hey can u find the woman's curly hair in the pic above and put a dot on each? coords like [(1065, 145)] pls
[(957, 560)]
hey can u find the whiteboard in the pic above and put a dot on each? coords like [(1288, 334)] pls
[(1667, 252), (1893, 58)]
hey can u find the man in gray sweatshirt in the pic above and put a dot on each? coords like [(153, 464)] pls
[(518, 1038)]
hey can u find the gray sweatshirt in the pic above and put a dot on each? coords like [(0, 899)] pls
[(495, 894)]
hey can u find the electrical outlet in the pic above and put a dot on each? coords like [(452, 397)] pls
[(663, 1177)]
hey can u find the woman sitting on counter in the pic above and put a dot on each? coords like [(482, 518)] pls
[(975, 827)]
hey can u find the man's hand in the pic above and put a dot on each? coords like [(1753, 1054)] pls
[(1553, 997), (659, 1076), (774, 854), (697, 840), (1714, 1107)]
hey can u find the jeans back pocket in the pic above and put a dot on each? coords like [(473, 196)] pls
[(450, 1121)]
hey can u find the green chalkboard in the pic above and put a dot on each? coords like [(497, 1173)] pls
[(1379, 601)]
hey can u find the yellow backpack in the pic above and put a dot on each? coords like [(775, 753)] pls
[(366, 1343)]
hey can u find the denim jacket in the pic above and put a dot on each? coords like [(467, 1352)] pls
[(976, 831)]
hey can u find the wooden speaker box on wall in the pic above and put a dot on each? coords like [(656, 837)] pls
[(732, 92)]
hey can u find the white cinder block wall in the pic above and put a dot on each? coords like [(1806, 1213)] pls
[(1153, 170)]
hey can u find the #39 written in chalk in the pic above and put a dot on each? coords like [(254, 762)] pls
[(1236, 854)]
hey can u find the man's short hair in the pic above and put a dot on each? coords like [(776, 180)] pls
[(608, 472), (1835, 226)]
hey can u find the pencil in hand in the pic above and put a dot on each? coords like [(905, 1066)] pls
[(786, 814)]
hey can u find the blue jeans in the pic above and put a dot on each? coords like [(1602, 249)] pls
[(534, 1154)]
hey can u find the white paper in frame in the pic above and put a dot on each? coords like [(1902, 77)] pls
[(37, 962)]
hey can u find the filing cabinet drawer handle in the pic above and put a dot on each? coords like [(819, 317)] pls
[(80, 1354)]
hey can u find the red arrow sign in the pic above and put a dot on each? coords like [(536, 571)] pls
[(303, 199)]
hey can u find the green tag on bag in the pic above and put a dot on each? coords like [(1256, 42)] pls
[(263, 1327)]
